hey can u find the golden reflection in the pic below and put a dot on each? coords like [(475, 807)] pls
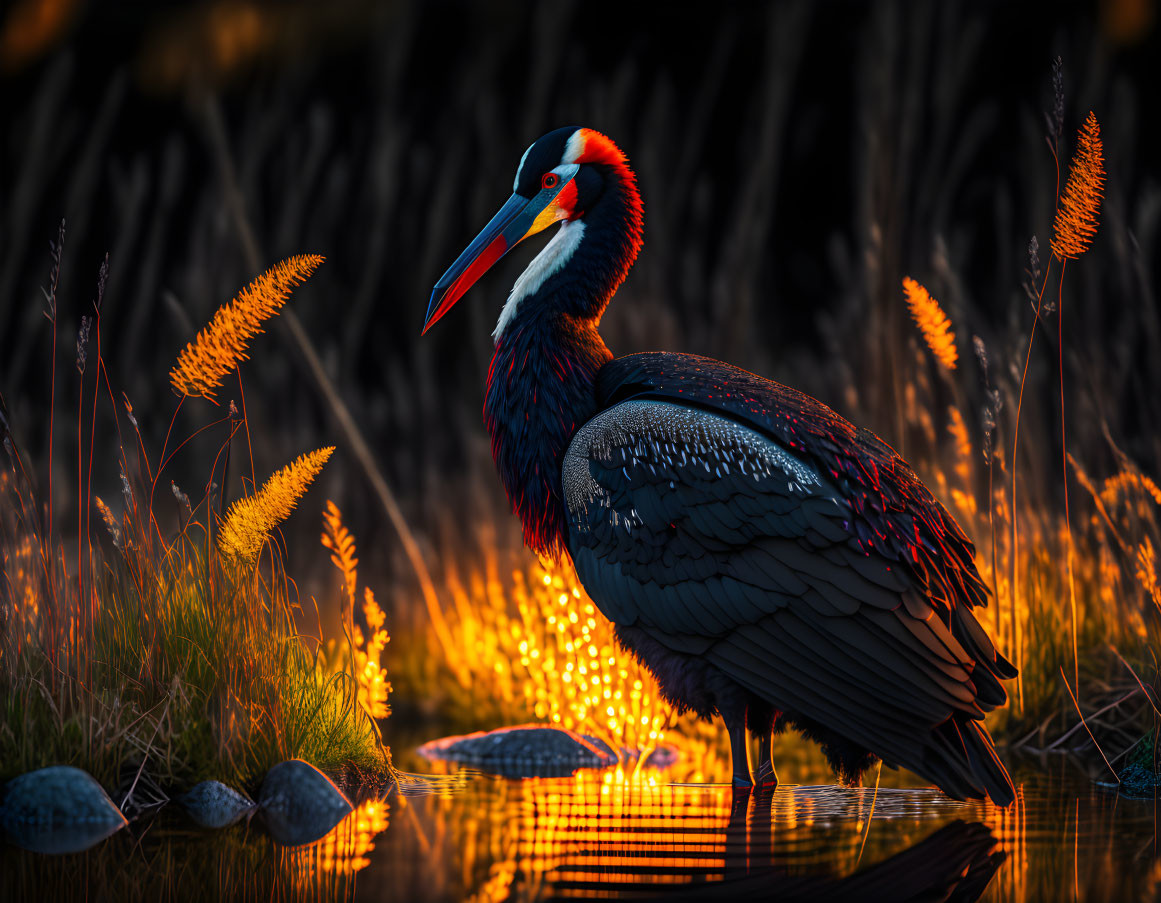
[(610, 832), (346, 848), (622, 833)]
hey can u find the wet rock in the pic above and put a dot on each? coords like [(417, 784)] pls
[(214, 805), (529, 750), (59, 809), (59, 795), (299, 803), (1138, 780)]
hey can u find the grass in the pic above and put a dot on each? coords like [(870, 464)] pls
[(173, 652)]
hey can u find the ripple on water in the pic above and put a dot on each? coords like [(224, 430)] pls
[(618, 835)]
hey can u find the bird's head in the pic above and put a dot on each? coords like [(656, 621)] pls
[(562, 178)]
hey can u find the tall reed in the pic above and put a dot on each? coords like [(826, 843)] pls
[(178, 651)]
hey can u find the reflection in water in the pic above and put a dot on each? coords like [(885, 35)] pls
[(616, 835), (613, 833), (956, 862), (345, 849), (619, 835), (71, 838)]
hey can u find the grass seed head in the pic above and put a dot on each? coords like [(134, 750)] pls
[(339, 540), (1077, 215), (250, 520), (932, 322), (218, 348)]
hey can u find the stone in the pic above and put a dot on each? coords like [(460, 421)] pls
[(214, 805), (59, 809), (300, 804), (1138, 780), (528, 750)]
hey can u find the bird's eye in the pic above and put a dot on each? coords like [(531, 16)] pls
[(549, 180)]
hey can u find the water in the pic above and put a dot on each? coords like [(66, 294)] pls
[(618, 836)]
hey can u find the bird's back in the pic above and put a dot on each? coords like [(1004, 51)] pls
[(896, 515)]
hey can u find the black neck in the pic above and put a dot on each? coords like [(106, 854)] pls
[(540, 382), (540, 391)]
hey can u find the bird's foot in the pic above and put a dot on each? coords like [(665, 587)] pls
[(766, 778)]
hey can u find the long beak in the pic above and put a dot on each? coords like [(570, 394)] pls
[(515, 221)]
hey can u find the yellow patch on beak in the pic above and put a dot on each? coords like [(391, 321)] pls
[(561, 207), (549, 215)]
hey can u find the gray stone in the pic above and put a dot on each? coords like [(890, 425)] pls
[(299, 803), (59, 795), (214, 805), (59, 809), (529, 750), (1138, 780)]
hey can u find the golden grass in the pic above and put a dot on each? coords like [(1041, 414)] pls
[(167, 655), (174, 647), (110, 521), (534, 647), (365, 650), (369, 671), (561, 657), (1077, 214), (218, 348), (339, 540), (249, 521), (1124, 483), (932, 322), (1147, 571)]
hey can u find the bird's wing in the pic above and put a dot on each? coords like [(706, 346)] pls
[(719, 541), (893, 512)]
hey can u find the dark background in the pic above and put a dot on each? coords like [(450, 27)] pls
[(796, 160)]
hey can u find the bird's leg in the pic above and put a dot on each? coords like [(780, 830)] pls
[(739, 749), (760, 719), (764, 774)]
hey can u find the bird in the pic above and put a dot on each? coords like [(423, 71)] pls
[(768, 561)]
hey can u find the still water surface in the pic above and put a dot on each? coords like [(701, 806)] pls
[(613, 835)]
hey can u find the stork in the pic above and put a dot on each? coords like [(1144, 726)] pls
[(768, 561)]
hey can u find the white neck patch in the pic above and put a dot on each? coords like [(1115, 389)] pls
[(554, 255), (574, 148)]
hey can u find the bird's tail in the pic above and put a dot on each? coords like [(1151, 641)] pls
[(962, 760)]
